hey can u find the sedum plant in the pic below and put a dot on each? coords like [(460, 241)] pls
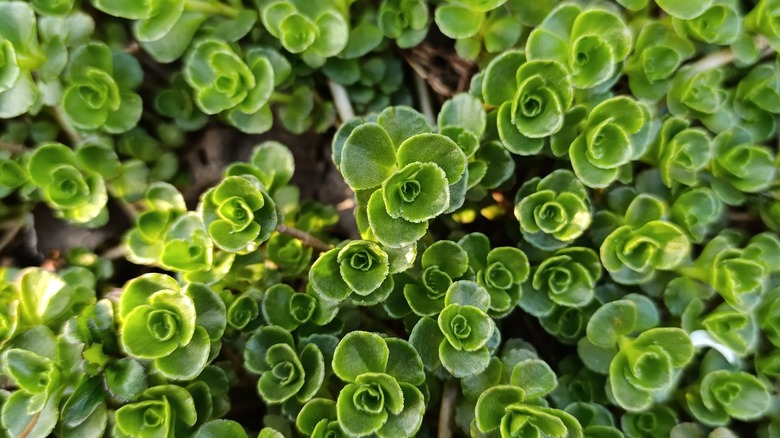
[(557, 218)]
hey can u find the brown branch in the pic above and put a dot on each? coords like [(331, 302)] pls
[(11, 147), (726, 57), (59, 116), (449, 395), (304, 237), (13, 230)]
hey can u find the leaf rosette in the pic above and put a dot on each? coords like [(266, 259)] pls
[(536, 107), (567, 278), (699, 212), (100, 89), (615, 133), (763, 20), (317, 32), (719, 23), (458, 338), (658, 53), (590, 42), (381, 395), (740, 166), (162, 410), (72, 192), (682, 153), (442, 263), (173, 327), (554, 211), (633, 253), (757, 100), (225, 83), (360, 271), (405, 21), (505, 411), (285, 372), (404, 174), (701, 94), (238, 214), (723, 395), (20, 53)]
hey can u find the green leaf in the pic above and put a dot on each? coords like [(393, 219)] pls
[(221, 428), (685, 10), (611, 321), (434, 148), (367, 157), (535, 377), (359, 353)]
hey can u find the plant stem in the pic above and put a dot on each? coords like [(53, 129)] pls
[(115, 253), (726, 56), (341, 100), (449, 395), (425, 98), (210, 8), (11, 147), (13, 229), (304, 237), (30, 426), (70, 131)]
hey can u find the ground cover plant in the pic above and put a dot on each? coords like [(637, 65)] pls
[(390, 218)]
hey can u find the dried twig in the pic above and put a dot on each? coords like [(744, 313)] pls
[(449, 395), (341, 100), (304, 237)]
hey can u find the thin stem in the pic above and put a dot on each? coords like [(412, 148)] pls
[(726, 57), (62, 120), (115, 253), (210, 8), (13, 229), (425, 98), (304, 237), (449, 395), (30, 426), (341, 100), (11, 147)]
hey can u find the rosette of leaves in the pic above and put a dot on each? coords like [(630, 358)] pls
[(700, 93), (225, 83), (724, 394), (359, 271), (500, 271), (285, 372), (458, 338), (681, 152), (757, 101), (644, 244), (238, 213), (176, 101), (381, 395), (657, 421), (720, 22), (20, 55), (739, 275), (144, 242), (615, 133), (100, 89), (566, 278), (762, 19), (596, 420), (75, 194), (288, 253), (163, 410), (642, 367), (270, 162), (554, 211), (658, 53), (408, 174), (284, 307), (187, 246), (171, 326), (699, 212), (35, 368), (442, 263), (590, 42), (740, 166), (319, 419), (405, 21), (736, 330), (519, 409), (531, 109), (316, 32)]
